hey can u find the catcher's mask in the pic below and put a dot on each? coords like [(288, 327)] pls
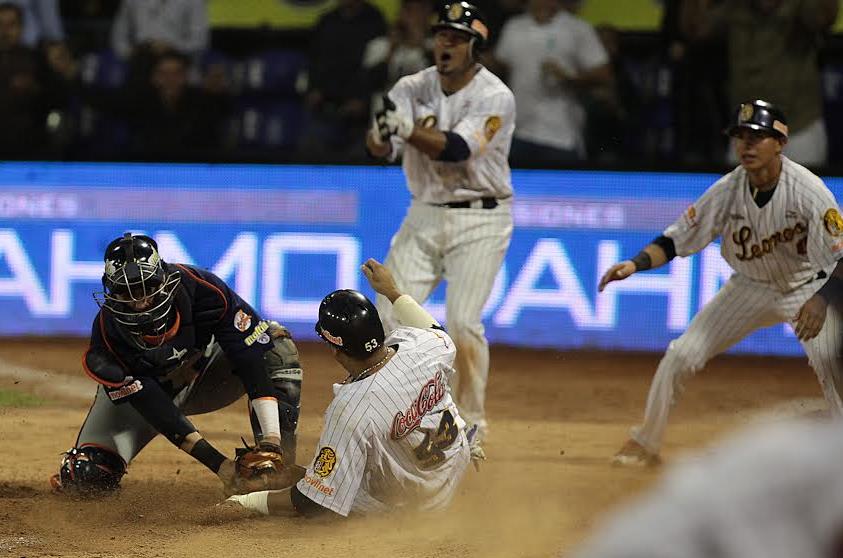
[(138, 288), (350, 322)]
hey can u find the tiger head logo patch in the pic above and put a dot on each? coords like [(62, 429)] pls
[(747, 110), (491, 127), (325, 462), (455, 11), (428, 121), (833, 222)]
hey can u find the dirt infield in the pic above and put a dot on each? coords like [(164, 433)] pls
[(556, 419)]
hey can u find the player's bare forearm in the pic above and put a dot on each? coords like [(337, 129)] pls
[(429, 141), (651, 257), (378, 149)]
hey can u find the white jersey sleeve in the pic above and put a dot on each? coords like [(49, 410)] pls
[(402, 95), (703, 221), (489, 122), (333, 478), (825, 226)]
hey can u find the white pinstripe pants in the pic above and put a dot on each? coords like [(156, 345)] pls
[(465, 247), (739, 308)]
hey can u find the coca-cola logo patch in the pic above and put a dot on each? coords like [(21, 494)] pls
[(431, 394)]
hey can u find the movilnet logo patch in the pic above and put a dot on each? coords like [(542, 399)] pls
[(125, 391), (325, 462), (431, 394), (242, 320), (336, 340)]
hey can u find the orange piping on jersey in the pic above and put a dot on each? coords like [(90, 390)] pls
[(210, 285), (167, 335), (89, 372), (265, 397), (93, 376)]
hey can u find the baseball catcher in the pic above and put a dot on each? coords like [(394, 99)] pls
[(173, 340)]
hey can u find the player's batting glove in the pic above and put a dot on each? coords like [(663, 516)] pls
[(390, 122)]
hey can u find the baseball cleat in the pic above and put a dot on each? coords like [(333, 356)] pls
[(633, 454)]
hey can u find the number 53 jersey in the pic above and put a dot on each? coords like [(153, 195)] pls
[(394, 439)]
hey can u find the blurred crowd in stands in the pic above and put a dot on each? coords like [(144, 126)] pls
[(149, 80)]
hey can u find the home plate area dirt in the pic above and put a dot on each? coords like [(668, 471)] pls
[(556, 419)]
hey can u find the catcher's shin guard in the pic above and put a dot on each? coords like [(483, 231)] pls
[(284, 369)]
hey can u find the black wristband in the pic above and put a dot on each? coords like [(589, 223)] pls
[(642, 261), (207, 455), (832, 289)]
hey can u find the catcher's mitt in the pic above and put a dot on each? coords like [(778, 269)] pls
[(259, 468)]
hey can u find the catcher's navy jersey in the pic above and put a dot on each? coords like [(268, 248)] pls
[(206, 310)]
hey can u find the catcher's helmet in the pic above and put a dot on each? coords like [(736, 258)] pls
[(89, 470), (139, 287), (760, 116), (350, 322), (463, 16)]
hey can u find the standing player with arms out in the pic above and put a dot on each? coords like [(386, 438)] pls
[(782, 233), (454, 123), (393, 437), (172, 340)]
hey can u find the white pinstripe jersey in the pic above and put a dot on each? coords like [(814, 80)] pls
[(482, 113), (785, 243), (383, 445)]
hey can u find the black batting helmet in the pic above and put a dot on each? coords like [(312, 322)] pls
[(134, 273), (350, 322), (760, 116), (463, 16)]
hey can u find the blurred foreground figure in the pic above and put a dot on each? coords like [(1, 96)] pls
[(773, 491)]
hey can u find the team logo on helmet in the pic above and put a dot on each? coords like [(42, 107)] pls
[(455, 12), (833, 222), (325, 462), (336, 340), (747, 110)]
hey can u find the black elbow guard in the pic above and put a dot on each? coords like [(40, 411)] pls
[(455, 149), (103, 369)]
